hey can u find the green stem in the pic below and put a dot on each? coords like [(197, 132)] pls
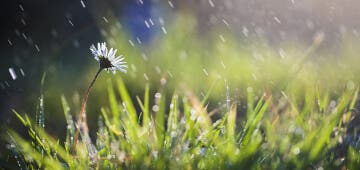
[(82, 122)]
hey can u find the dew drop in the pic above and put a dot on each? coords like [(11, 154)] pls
[(158, 95), (155, 108)]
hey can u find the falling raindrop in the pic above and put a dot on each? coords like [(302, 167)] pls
[(22, 72), (12, 73), (170, 74), (222, 38), (131, 43), (254, 76), (82, 4), (138, 40), (277, 20), (158, 70), (164, 30), (222, 64), (21, 7), (245, 31), (225, 22), (206, 73), (17, 32), (105, 19), (282, 53), (70, 22), (171, 4), (161, 21), (211, 3), (146, 77), (24, 36), (202, 94), (147, 24), (227, 95), (144, 56), (23, 21), (151, 22), (37, 47)]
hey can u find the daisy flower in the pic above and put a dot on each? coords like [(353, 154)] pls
[(107, 59)]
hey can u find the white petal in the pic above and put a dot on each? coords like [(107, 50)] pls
[(110, 53)]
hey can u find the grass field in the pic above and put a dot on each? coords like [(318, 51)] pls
[(189, 102)]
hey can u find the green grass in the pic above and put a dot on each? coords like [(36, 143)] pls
[(207, 104), (182, 135)]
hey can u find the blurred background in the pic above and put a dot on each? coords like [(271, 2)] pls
[(250, 44)]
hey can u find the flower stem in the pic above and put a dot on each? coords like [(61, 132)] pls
[(82, 122)]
